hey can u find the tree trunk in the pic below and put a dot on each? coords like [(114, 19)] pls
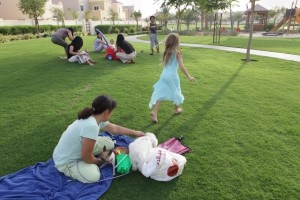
[(231, 20), (206, 22), (250, 31), (63, 23), (36, 22), (202, 20)]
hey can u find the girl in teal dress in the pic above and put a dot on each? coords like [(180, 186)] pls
[(168, 86)]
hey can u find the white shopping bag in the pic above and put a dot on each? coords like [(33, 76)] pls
[(163, 165)]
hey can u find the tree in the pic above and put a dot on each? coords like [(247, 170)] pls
[(250, 30), (189, 15), (230, 2), (73, 13), (180, 6), (165, 15), (207, 7), (213, 5), (238, 17), (113, 16), (274, 13), (60, 15), (87, 15), (137, 15), (33, 8)]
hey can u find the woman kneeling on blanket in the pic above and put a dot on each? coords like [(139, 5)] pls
[(76, 154)]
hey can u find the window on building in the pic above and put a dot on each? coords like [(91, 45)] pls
[(96, 7), (81, 7)]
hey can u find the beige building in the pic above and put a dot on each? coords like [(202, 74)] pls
[(9, 10), (118, 8), (98, 9), (128, 11)]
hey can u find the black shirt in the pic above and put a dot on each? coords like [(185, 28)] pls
[(126, 47)]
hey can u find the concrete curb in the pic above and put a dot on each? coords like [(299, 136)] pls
[(283, 56)]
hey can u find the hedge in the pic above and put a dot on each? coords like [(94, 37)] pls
[(27, 29), (107, 29)]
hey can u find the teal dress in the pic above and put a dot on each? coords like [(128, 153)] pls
[(168, 85)]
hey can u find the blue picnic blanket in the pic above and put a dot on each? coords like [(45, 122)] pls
[(44, 181)]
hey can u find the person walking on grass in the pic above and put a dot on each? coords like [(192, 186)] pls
[(75, 55), (59, 38), (153, 35), (168, 86), (125, 51), (76, 154)]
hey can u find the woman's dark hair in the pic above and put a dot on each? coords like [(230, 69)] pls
[(72, 30), (77, 43), (120, 38), (99, 105)]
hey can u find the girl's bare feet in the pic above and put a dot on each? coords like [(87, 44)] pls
[(153, 117), (178, 110)]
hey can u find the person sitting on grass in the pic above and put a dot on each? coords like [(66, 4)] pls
[(112, 44), (75, 55), (79, 152), (126, 53), (99, 43)]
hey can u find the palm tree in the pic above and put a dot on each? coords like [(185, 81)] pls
[(238, 17), (137, 15)]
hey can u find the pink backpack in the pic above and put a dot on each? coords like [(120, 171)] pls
[(174, 145)]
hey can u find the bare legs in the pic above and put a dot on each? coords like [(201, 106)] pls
[(153, 114)]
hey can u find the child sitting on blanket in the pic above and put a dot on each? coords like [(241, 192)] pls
[(75, 55)]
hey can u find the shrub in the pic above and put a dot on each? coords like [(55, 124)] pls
[(116, 30), (16, 30), (269, 26), (131, 30)]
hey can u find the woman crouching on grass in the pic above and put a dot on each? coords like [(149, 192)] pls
[(75, 55), (126, 52), (76, 152)]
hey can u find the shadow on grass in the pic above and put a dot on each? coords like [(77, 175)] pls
[(161, 126), (202, 111)]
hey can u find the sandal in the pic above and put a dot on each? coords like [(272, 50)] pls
[(178, 111)]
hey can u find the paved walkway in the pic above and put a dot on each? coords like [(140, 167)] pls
[(283, 56)]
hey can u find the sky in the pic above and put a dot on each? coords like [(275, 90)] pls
[(148, 8)]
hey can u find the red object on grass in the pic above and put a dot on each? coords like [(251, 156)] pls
[(110, 54)]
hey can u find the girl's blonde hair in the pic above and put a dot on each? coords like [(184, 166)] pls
[(171, 46)]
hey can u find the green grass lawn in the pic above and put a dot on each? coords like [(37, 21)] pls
[(241, 120), (275, 44)]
